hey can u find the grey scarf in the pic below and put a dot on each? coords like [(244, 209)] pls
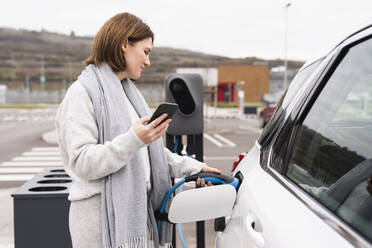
[(127, 207)]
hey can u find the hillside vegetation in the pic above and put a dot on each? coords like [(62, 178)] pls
[(22, 52)]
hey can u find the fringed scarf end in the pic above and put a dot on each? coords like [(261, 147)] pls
[(134, 242)]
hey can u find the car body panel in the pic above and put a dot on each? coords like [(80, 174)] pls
[(285, 227)]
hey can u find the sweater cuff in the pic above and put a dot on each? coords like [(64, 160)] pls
[(136, 140), (195, 166), (199, 167)]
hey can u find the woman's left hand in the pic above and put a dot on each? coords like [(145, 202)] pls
[(206, 168)]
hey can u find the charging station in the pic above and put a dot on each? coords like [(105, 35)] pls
[(187, 91)]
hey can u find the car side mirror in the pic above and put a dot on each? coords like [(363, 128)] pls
[(202, 204)]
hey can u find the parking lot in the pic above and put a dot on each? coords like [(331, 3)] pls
[(25, 153)]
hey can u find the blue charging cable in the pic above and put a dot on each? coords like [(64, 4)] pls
[(164, 203), (208, 177), (179, 228)]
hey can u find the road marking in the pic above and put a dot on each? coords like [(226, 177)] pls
[(32, 162), (33, 158), (26, 164), (41, 154), (213, 140), (184, 150), (256, 130), (46, 149), (219, 158), (221, 142), (19, 170), (228, 142), (18, 177)]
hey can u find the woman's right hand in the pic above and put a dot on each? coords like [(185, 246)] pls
[(153, 131)]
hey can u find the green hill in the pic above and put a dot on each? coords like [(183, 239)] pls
[(22, 52)]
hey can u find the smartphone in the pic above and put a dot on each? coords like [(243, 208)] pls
[(164, 108)]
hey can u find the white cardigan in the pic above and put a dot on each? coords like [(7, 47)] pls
[(86, 161)]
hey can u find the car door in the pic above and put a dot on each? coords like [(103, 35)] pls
[(330, 156), (313, 188)]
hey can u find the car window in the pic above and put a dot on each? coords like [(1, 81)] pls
[(331, 157), (299, 80), (287, 97)]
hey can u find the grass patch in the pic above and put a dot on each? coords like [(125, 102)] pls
[(235, 105), (254, 104), (21, 106), (227, 105), (154, 105)]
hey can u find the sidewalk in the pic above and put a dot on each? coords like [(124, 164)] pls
[(224, 113), (6, 218)]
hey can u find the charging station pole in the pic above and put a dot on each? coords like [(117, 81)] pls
[(194, 147), (187, 91)]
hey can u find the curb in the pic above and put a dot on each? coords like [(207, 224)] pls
[(50, 137), (6, 242), (235, 116)]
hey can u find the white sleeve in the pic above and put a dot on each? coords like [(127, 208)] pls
[(78, 139), (181, 166)]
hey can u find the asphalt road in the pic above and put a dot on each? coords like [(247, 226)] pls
[(233, 130), (18, 137)]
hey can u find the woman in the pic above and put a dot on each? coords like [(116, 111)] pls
[(119, 165)]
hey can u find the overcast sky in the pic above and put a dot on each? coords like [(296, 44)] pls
[(233, 28)]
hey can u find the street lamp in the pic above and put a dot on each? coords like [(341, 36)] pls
[(285, 45)]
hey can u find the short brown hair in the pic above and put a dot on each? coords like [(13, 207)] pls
[(112, 35)]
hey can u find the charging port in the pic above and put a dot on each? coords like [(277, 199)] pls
[(240, 176)]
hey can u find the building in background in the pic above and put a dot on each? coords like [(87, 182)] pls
[(209, 75), (277, 78), (252, 79)]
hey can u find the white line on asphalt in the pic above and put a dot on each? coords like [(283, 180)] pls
[(219, 158), (228, 142), (184, 149), (45, 149), (41, 154), (43, 164), (33, 158), (21, 170), (256, 130), (19, 177), (213, 140)]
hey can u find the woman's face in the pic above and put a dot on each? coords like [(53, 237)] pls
[(137, 57)]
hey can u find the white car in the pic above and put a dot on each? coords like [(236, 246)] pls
[(307, 180)]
